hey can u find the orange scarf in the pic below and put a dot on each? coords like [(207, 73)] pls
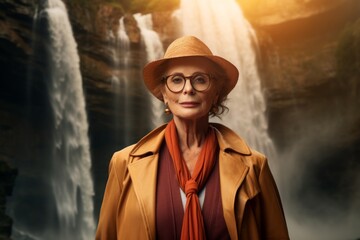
[(193, 225)]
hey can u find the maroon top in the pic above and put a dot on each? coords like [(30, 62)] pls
[(169, 208)]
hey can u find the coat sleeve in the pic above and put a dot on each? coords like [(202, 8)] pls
[(273, 222), (107, 224)]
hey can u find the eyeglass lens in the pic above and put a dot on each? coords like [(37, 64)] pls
[(199, 81)]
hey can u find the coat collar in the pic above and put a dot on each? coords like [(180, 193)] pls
[(143, 164), (227, 139), (150, 144)]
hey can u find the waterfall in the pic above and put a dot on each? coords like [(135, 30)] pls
[(154, 51), (134, 113), (123, 43), (222, 26), (69, 211), (71, 176), (120, 82)]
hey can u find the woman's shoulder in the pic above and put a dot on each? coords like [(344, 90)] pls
[(149, 144), (122, 155), (231, 142), (123, 152)]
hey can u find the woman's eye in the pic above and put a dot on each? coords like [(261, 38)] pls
[(177, 79), (200, 79)]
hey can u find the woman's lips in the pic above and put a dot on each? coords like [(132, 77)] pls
[(189, 104)]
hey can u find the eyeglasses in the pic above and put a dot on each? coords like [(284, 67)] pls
[(176, 82)]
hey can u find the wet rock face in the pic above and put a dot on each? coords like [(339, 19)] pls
[(15, 47), (301, 69), (312, 99), (272, 12), (7, 176)]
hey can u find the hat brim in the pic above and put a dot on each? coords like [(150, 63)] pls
[(152, 73)]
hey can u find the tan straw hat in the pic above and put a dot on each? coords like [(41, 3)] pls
[(186, 47)]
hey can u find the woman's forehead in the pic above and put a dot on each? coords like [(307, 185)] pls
[(189, 65)]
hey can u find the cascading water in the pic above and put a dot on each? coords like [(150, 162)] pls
[(130, 95), (120, 82), (71, 177), (123, 45), (154, 50), (222, 26), (69, 180)]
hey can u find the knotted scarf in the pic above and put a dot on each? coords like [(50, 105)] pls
[(193, 225)]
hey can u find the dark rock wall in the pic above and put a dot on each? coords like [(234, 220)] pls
[(15, 50), (7, 176)]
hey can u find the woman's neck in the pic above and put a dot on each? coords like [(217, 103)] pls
[(191, 132)]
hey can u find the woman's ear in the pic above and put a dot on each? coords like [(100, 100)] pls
[(216, 99), (164, 96)]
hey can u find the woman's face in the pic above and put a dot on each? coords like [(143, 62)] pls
[(190, 104)]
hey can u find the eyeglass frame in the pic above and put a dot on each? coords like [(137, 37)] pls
[(210, 76)]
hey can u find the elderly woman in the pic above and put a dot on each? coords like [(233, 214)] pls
[(191, 179)]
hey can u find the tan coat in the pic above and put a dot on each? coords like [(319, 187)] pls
[(250, 199)]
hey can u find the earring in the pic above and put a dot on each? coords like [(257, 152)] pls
[(167, 109)]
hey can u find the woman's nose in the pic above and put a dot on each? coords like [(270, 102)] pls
[(188, 88)]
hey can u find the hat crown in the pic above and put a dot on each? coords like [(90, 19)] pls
[(187, 46)]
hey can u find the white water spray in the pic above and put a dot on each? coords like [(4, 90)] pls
[(70, 174), (154, 51), (222, 26), (121, 84)]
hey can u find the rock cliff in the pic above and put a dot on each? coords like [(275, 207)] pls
[(309, 60), (15, 47), (309, 63), (303, 55)]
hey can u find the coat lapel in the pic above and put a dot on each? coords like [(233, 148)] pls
[(143, 172), (232, 174), (143, 175), (233, 171)]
